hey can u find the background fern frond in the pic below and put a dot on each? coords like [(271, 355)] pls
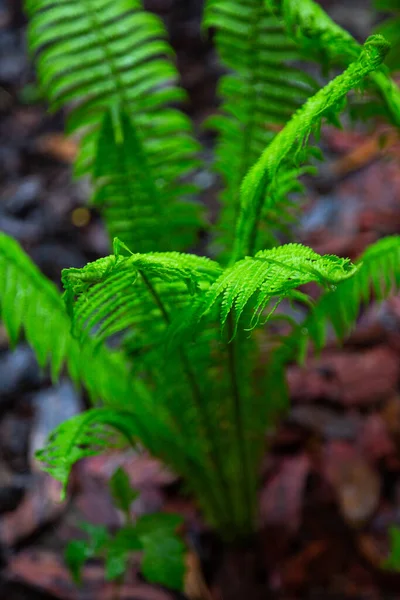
[(259, 95), (377, 277), (390, 29), (94, 55), (261, 186), (132, 202)]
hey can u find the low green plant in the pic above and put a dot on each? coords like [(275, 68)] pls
[(152, 537), (392, 562), (161, 339)]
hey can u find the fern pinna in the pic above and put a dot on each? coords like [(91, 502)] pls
[(166, 334)]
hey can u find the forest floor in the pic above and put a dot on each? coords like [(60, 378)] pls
[(331, 482)]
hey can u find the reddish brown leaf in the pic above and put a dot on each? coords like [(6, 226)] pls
[(356, 484), (282, 497), (349, 378)]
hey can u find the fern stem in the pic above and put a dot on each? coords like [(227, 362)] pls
[(245, 467), (219, 506)]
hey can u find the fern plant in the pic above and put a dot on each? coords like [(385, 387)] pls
[(162, 338)]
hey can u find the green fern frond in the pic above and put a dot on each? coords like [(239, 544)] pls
[(260, 187), (377, 277), (390, 29), (323, 40), (133, 203), (119, 293), (260, 95), (237, 396), (102, 429), (253, 282), (31, 305), (190, 391), (87, 434), (93, 55)]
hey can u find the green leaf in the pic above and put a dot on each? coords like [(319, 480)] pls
[(121, 490), (132, 199), (393, 560), (116, 564), (163, 551), (118, 294), (76, 554), (119, 550), (98, 537)]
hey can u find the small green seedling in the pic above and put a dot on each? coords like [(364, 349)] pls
[(149, 540)]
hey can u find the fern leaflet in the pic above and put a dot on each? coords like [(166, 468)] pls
[(378, 276), (253, 282), (87, 434)]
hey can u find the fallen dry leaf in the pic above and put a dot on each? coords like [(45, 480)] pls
[(45, 570), (41, 505), (195, 585), (374, 441), (349, 378), (356, 483), (58, 146), (282, 498)]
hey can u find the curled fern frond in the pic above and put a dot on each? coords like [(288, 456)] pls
[(88, 434), (377, 277), (321, 39), (259, 96), (253, 282), (132, 202), (261, 185)]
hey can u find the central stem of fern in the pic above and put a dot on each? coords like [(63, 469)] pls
[(248, 486), (221, 505)]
